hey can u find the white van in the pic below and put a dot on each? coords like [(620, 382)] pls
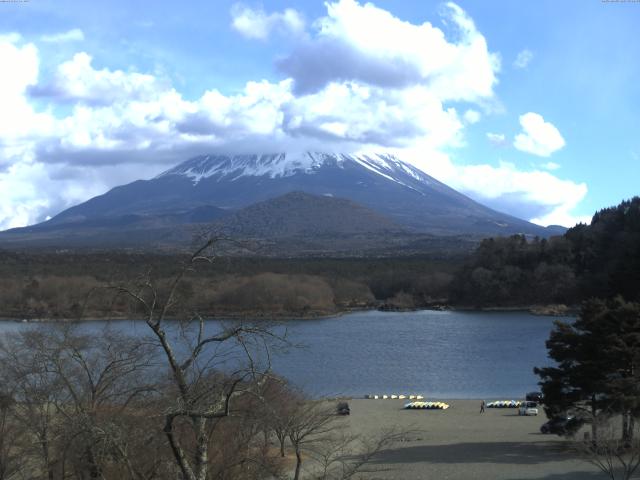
[(528, 408)]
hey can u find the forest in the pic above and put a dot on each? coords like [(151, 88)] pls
[(598, 260), (71, 285)]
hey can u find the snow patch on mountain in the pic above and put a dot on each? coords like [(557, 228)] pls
[(278, 165)]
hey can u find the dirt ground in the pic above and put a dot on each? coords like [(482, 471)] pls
[(461, 443)]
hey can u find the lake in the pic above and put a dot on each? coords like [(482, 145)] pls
[(446, 354)]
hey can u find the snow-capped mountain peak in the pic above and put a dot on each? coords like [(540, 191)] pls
[(281, 165)]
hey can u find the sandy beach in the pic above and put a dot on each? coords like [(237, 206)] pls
[(461, 443)]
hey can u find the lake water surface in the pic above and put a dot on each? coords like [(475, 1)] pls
[(438, 354)]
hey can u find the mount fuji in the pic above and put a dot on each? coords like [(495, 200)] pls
[(276, 196)]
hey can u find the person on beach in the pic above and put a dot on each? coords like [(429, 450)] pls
[(482, 407)]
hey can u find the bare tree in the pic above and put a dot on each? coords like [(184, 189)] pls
[(11, 460), (198, 397), (277, 410), (34, 391), (310, 424), (239, 452), (76, 393), (322, 442), (617, 457)]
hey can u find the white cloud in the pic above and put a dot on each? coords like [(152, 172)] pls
[(21, 200), (472, 116), (550, 166), (497, 139), (77, 80), (540, 188), (523, 59), (534, 195), (74, 35), (11, 37), (257, 24), (367, 44), (538, 137), (32, 191), (20, 65), (20, 124), (375, 116), (258, 110), (562, 216)]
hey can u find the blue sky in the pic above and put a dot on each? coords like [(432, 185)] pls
[(530, 107)]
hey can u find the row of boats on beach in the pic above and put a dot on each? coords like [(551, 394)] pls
[(418, 402), (426, 406), (505, 404), (394, 397)]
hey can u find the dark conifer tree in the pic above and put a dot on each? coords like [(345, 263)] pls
[(598, 364)]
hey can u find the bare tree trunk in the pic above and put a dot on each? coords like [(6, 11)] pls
[(202, 443), (625, 426), (45, 455), (178, 453), (94, 468), (298, 464), (594, 421)]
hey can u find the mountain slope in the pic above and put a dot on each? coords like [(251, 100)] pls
[(382, 183)]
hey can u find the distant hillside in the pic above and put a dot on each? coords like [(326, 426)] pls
[(302, 214)]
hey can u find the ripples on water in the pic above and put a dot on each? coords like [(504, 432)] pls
[(438, 354)]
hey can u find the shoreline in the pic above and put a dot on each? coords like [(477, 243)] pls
[(537, 310)]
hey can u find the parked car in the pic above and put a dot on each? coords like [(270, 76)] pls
[(343, 409), (534, 397), (528, 408), (562, 425)]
